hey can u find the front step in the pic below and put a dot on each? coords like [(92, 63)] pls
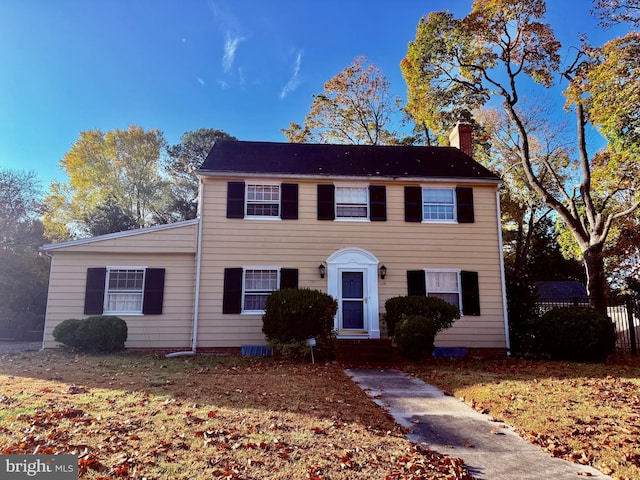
[(365, 350)]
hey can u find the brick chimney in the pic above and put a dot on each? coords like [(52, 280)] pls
[(461, 137)]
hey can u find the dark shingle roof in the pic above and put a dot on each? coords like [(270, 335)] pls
[(228, 157)]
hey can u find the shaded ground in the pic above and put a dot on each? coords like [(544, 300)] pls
[(133, 416)]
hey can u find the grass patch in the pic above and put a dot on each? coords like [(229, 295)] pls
[(586, 413), (145, 416)]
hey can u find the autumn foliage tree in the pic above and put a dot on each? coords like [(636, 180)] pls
[(184, 159), (355, 107), (115, 174), (489, 55)]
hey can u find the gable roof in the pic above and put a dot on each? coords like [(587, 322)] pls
[(114, 235), (328, 160)]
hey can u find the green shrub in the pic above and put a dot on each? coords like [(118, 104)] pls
[(294, 315), (414, 335), (576, 334), (65, 332), (99, 334), (441, 312)]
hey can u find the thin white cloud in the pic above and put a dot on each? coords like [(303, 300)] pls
[(294, 81), (230, 47), (200, 80), (224, 85)]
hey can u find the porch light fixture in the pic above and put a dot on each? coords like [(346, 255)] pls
[(322, 269), (383, 272)]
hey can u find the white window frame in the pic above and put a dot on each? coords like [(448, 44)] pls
[(108, 292), (428, 271), (364, 218), (453, 219), (248, 202), (244, 285)]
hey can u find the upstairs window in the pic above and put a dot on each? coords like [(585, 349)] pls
[(445, 205), (263, 200), (352, 202), (438, 204)]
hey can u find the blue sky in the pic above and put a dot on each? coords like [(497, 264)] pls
[(248, 67)]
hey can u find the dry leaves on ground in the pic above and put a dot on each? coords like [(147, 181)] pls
[(586, 413), (133, 416)]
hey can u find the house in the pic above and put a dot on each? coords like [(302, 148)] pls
[(362, 223), (567, 293)]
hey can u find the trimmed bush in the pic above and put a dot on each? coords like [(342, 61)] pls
[(99, 334), (294, 315), (414, 335), (441, 312), (65, 332), (576, 334)]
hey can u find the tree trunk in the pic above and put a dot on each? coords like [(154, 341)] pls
[(596, 279)]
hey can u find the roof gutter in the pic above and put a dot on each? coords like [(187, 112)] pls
[(369, 178), (196, 299)]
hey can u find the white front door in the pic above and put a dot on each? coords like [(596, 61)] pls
[(352, 275)]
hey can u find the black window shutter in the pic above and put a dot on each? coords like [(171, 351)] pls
[(232, 295), (94, 291), (326, 202), (416, 283), (289, 201), (378, 203), (470, 293), (235, 199), (153, 296), (464, 200), (412, 204), (288, 278)]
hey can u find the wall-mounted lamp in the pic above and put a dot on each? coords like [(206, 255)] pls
[(383, 272), (322, 269)]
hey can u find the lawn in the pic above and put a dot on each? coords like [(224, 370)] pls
[(145, 416), (586, 413)]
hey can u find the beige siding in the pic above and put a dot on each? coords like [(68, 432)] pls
[(180, 239), (171, 249), (306, 242)]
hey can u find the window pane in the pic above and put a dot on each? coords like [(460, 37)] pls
[(255, 301), (351, 211), (125, 279), (451, 298), (262, 210), (351, 195), (261, 280), (268, 193), (124, 302), (442, 282)]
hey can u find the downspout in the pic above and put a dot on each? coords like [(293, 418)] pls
[(196, 299), (505, 311), (48, 296)]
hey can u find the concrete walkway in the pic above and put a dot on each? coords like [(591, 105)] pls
[(490, 450)]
